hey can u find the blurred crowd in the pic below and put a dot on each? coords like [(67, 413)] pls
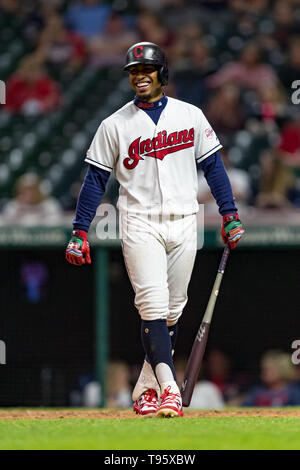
[(238, 60), (276, 383)]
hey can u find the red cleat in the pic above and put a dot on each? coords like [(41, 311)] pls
[(171, 404), (147, 404)]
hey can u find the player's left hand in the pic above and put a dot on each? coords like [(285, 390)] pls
[(78, 249), (232, 229)]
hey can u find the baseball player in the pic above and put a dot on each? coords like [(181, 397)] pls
[(154, 145)]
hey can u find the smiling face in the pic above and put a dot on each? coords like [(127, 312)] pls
[(144, 81)]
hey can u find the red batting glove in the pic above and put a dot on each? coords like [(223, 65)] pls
[(232, 229), (78, 249)]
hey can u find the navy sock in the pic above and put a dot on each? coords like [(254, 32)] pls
[(173, 331), (157, 343)]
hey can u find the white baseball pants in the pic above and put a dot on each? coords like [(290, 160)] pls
[(159, 254)]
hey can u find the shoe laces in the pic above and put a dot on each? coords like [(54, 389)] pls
[(150, 395), (167, 393)]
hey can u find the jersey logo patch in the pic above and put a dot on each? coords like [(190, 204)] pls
[(209, 133), (159, 146)]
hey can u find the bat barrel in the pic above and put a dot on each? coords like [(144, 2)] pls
[(194, 364), (199, 346)]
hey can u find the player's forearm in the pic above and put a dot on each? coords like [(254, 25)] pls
[(218, 181), (90, 196)]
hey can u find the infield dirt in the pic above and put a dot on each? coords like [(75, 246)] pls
[(125, 414)]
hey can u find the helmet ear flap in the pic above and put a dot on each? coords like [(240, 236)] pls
[(163, 75)]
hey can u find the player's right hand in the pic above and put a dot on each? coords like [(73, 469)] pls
[(78, 249)]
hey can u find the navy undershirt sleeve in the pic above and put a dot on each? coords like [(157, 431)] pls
[(218, 181), (90, 196)]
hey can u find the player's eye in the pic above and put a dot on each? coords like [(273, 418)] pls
[(149, 69), (144, 70)]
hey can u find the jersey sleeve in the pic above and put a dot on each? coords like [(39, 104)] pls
[(103, 151), (206, 141)]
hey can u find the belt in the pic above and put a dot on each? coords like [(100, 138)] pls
[(163, 218)]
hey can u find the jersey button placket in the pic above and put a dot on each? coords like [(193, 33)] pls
[(161, 169), (157, 164)]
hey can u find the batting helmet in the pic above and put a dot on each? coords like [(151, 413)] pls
[(148, 53)]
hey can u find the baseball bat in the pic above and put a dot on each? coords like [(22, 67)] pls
[(198, 349)]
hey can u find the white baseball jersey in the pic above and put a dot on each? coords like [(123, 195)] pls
[(155, 164)]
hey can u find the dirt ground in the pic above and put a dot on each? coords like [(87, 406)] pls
[(125, 414)]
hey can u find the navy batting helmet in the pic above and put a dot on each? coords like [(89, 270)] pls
[(148, 53)]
